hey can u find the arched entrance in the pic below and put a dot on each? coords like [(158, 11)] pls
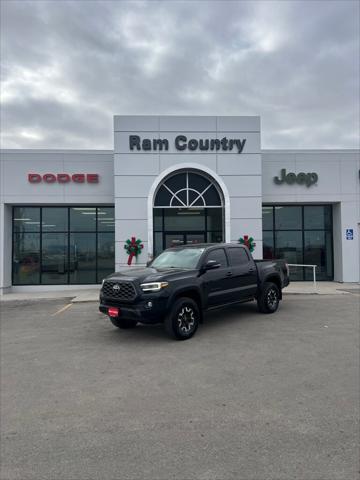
[(188, 208)]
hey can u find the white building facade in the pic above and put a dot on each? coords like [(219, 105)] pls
[(66, 215)]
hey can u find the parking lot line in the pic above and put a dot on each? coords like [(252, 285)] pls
[(62, 309)]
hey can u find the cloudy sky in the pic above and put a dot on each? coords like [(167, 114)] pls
[(68, 66)]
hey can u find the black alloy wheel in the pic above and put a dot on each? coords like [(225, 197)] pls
[(268, 301), (183, 320)]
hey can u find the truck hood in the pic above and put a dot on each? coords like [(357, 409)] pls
[(149, 274)]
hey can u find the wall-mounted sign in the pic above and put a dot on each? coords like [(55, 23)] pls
[(301, 178), (182, 143), (63, 177), (349, 234)]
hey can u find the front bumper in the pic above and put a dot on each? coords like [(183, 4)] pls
[(142, 311)]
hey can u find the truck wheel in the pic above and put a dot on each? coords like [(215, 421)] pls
[(183, 320), (269, 298), (123, 322)]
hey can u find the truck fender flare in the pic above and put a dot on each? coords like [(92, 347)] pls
[(274, 278), (191, 292)]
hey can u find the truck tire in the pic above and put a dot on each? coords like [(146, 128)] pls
[(183, 320), (123, 322), (268, 301)]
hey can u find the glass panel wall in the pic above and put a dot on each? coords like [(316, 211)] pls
[(301, 234), (54, 258), (60, 245), (178, 226), (26, 258)]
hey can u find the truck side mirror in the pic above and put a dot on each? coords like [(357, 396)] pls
[(211, 265)]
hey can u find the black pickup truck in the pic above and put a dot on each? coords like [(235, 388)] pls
[(179, 285)]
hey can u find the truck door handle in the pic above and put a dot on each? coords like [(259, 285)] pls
[(229, 274), (251, 269)]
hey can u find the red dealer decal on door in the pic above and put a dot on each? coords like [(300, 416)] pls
[(63, 177)]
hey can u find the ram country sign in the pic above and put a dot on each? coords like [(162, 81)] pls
[(183, 143)]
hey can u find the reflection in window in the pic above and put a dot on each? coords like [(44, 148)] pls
[(105, 255), (55, 219), (288, 218), (268, 245), (268, 218), (85, 255), (186, 225), (317, 251), (317, 217), (26, 258), (309, 244), (178, 219), (82, 219), (54, 262), (83, 258), (218, 256), (26, 219), (106, 219)]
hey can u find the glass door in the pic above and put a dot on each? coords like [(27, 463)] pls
[(194, 238), (176, 239)]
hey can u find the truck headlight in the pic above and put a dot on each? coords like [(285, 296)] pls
[(153, 287)]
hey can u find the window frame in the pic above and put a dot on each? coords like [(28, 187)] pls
[(330, 229), (214, 250), (245, 253), (67, 232)]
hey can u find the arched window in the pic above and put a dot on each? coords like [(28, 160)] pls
[(188, 190), (188, 209)]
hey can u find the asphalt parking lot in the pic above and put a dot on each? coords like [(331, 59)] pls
[(250, 397)]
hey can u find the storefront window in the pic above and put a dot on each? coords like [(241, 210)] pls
[(82, 258), (268, 245), (54, 265), (317, 217), (73, 245), (288, 218), (302, 235), (105, 254), (82, 219), (26, 219), (26, 258), (55, 219)]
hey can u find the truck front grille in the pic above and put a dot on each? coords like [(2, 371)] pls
[(119, 290)]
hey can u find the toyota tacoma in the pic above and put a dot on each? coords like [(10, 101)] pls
[(182, 283)]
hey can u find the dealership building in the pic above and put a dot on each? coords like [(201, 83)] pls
[(65, 215)]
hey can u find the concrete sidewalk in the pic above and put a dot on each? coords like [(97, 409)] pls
[(92, 294)]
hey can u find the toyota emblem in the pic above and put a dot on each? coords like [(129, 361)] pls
[(116, 287)]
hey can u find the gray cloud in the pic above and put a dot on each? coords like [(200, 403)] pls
[(68, 67)]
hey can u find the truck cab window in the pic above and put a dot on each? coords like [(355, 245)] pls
[(219, 256), (238, 256)]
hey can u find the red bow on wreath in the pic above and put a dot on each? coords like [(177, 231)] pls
[(133, 248), (248, 242)]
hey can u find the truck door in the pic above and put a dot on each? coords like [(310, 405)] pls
[(217, 282), (244, 273)]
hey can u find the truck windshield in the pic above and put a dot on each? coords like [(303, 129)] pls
[(179, 258)]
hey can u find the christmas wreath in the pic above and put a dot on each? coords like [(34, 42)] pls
[(248, 242), (133, 248)]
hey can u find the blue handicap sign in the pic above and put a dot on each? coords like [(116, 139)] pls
[(349, 234)]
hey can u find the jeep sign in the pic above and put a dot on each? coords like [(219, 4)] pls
[(301, 178)]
